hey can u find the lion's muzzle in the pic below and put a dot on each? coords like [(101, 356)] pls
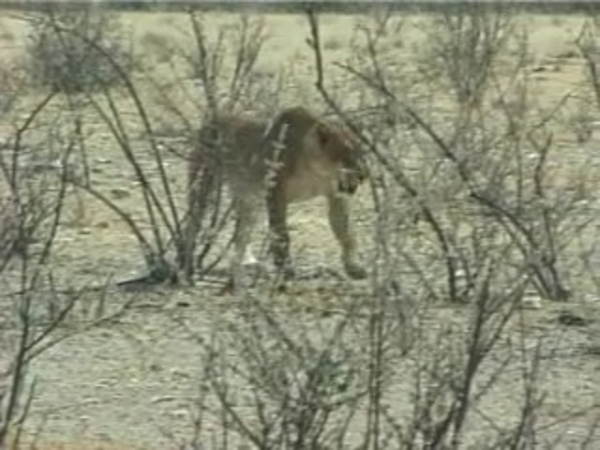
[(349, 182)]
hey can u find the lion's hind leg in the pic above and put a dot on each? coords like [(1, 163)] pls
[(245, 223), (279, 245)]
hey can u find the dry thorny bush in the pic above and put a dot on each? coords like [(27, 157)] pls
[(205, 62), (466, 201), (37, 151), (466, 210), (60, 60)]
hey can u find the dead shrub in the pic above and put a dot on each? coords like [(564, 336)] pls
[(59, 54)]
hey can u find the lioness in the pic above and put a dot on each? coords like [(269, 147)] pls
[(294, 157)]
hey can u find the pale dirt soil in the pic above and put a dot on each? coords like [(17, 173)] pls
[(126, 385)]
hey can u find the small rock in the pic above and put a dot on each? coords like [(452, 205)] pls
[(179, 373), (120, 193), (162, 398), (155, 367), (180, 413), (531, 302), (570, 319), (593, 350), (45, 166)]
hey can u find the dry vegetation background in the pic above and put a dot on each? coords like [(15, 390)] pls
[(479, 326)]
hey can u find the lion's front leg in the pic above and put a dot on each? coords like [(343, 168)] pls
[(339, 220)]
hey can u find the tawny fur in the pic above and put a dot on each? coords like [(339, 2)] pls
[(295, 157)]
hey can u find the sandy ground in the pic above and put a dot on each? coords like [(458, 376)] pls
[(133, 382)]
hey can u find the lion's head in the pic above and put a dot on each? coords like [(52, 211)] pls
[(343, 149)]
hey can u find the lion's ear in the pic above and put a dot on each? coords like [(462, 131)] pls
[(323, 133)]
